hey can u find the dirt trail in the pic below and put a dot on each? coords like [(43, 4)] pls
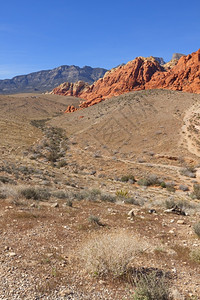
[(191, 130)]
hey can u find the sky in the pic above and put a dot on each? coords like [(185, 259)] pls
[(44, 34)]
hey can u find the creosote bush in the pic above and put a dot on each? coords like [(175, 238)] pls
[(152, 287), (109, 253), (35, 193)]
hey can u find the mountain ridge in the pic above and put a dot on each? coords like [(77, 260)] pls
[(46, 80)]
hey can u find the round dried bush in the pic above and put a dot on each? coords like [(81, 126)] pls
[(110, 253)]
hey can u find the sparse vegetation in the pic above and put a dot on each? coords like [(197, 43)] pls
[(197, 229), (127, 178), (35, 193), (109, 253), (122, 194), (195, 255), (94, 220), (196, 191), (152, 287)]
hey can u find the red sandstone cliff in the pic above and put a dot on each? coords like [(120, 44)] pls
[(141, 73)]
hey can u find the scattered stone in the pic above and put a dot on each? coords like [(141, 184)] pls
[(131, 214), (175, 210), (152, 211), (181, 222), (12, 254), (55, 205)]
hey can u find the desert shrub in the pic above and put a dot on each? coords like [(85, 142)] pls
[(93, 195), (4, 179), (131, 200), (109, 253), (170, 203), (52, 156), (152, 287), (79, 196), (69, 203), (122, 193), (35, 193), (163, 184), (143, 182), (149, 180), (60, 194), (2, 195), (94, 220), (183, 187), (126, 178), (170, 187), (195, 255), (8, 192), (197, 229), (61, 164), (108, 198), (188, 171), (196, 191)]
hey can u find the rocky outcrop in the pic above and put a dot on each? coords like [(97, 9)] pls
[(132, 76), (43, 81), (177, 56), (184, 76), (141, 73), (71, 89)]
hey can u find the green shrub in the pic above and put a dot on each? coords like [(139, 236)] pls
[(163, 184), (152, 287)]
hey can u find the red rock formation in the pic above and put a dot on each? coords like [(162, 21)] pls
[(131, 76), (70, 89), (141, 73), (185, 76)]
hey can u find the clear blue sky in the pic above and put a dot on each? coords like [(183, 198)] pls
[(44, 34)]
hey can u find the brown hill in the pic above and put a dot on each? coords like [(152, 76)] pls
[(139, 74)]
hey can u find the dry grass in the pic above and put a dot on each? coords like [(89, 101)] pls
[(110, 253), (152, 287)]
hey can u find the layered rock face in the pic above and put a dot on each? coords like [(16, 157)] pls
[(184, 76), (141, 73), (71, 89)]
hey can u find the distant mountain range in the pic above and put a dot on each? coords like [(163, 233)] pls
[(46, 80)]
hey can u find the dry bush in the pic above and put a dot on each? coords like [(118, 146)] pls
[(195, 255), (10, 192), (110, 253), (152, 287), (197, 229)]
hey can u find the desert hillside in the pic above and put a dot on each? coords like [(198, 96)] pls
[(103, 202)]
